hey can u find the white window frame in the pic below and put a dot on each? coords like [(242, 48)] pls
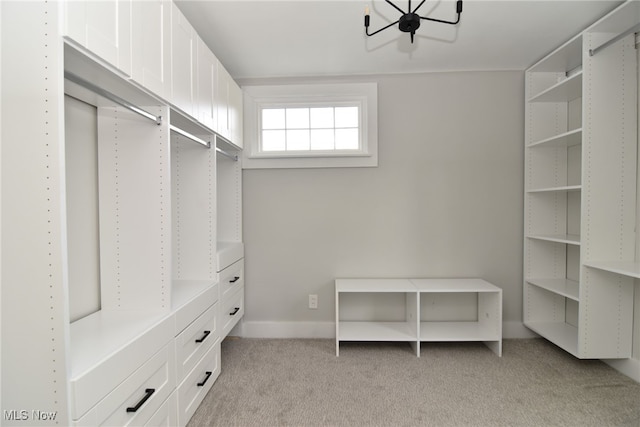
[(256, 98)]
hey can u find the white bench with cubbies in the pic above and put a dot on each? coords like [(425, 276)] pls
[(413, 311)]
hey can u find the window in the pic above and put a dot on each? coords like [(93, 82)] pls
[(293, 126), (310, 129)]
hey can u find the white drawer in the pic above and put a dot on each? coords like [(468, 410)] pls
[(196, 385), (232, 278), (189, 299), (137, 398), (232, 311), (108, 347), (195, 340), (167, 415)]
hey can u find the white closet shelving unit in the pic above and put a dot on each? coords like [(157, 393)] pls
[(397, 324), (419, 310), (580, 190), (150, 350), (230, 249)]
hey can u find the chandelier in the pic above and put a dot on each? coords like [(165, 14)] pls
[(409, 21)]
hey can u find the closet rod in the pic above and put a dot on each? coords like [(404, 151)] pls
[(105, 94), (633, 29), (224, 153), (188, 135)]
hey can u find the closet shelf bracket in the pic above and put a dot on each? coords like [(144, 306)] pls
[(110, 96)]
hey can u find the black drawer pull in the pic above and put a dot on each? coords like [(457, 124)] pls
[(206, 334), (148, 392), (235, 310), (205, 379), (235, 279)]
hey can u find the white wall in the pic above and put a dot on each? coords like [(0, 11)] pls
[(445, 201)]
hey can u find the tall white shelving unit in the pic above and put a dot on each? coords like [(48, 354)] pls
[(580, 189), (150, 350)]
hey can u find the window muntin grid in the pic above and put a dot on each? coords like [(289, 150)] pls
[(310, 129)]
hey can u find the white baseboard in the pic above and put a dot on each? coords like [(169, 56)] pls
[(328, 330), (628, 367), (288, 329), (517, 330)]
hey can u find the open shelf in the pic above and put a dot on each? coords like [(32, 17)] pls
[(565, 287), (563, 140), (556, 189), (376, 331), (625, 268), (565, 58), (561, 334), (569, 239), (564, 91), (457, 331)]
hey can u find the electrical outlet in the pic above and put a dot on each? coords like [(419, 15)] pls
[(313, 301)]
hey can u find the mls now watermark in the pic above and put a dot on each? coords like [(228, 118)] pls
[(29, 415)]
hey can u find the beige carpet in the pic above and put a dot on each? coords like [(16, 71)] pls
[(270, 382)]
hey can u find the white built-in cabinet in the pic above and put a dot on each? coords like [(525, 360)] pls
[(228, 106), (580, 190), (112, 280), (103, 27), (183, 62), (151, 45), (207, 73)]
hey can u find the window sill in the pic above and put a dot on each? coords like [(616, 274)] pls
[(309, 162)]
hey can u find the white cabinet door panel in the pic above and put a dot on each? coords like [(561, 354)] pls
[(206, 85), (183, 48), (104, 28), (151, 43)]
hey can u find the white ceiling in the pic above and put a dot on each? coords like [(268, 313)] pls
[(265, 38)]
